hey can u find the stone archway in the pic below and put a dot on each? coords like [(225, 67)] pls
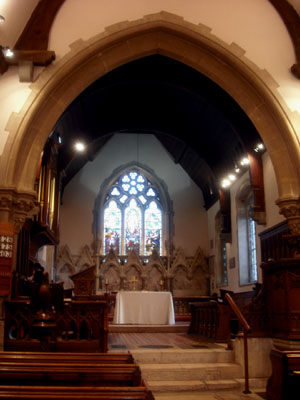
[(173, 37)]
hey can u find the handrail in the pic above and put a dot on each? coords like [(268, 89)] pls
[(247, 329), (237, 312)]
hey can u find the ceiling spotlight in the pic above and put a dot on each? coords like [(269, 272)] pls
[(259, 147), (232, 177), (237, 169), (244, 161), (2, 19), (79, 146)]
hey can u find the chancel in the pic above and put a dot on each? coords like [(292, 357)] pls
[(149, 199)]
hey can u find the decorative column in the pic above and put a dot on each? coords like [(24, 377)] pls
[(290, 209), (16, 207)]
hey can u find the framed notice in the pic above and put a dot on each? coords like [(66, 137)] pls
[(6, 257)]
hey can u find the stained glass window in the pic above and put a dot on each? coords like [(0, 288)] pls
[(132, 215), (112, 227), (152, 228), (133, 220)]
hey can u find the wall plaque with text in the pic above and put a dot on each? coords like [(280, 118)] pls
[(6, 257)]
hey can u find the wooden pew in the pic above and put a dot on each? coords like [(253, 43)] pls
[(49, 376), (72, 358), (284, 382), (69, 374), (69, 393)]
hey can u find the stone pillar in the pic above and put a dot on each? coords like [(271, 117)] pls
[(290, 209), (16, 207)]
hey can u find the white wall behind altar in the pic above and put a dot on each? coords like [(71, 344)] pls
[(76, 213), (193, 225)]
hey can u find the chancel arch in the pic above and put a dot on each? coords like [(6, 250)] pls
[(173, 37)]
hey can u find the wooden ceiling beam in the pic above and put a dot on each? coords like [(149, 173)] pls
[(35, 35), (31, 49)]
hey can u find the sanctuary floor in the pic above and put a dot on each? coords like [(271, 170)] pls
[(134, 340)]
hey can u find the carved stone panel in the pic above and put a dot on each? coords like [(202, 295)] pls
[(154, 279)]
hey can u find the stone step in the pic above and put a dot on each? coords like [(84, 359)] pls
[(191, 371), (183, 356), (192, 385), (209, 390), (123, 328)]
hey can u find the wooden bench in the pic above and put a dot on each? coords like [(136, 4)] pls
[(29, 357), (284, 382), (70, 374), (78, 392)]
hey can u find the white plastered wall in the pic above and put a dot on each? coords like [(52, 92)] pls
[(272, 218)]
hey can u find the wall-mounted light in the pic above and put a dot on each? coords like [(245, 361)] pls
[(225, 183), (259, 147), (7, 51), (79, 146), (244, 161)]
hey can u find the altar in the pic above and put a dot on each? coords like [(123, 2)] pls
[(144, 308)]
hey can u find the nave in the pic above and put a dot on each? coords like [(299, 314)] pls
[(180, 366)]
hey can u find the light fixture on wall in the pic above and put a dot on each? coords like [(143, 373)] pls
[(79, 147), (237, 169), (244, 161), (225, 183), (259, 147), (6, 51)]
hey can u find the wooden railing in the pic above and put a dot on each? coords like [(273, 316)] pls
[(80, 326), (246, 330), (210, 320)]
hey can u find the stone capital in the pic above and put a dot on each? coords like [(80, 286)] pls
[(17, 206), (290, 209)]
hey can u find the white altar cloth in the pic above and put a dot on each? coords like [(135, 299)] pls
[(144, 308)]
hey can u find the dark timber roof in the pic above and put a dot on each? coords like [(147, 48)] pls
[(200, 125)]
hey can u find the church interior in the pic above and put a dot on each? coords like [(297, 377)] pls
[(149, 199)]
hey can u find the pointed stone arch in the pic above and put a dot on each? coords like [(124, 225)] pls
[(85, 259), (169, 35), (65, 259)]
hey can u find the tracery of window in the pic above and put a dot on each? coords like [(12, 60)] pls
[(132, 215)]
